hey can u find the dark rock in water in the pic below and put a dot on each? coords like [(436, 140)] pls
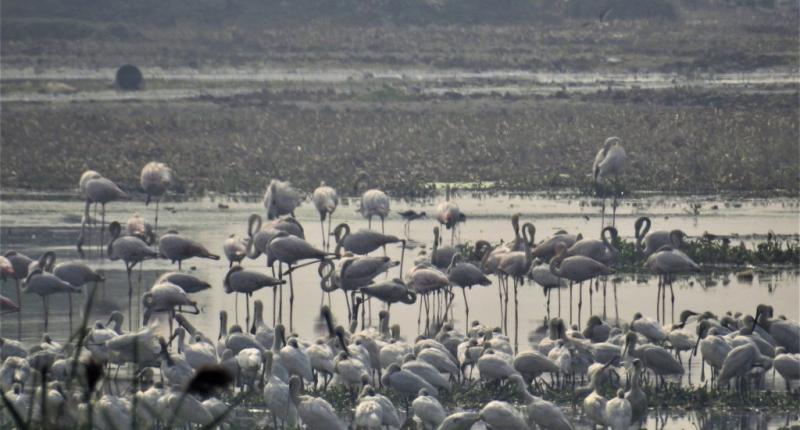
[(129, 78)]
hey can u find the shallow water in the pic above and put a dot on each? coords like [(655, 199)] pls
[(34, 226)]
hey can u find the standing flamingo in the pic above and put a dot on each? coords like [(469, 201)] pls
[(132, 251), (576, 269), (155, 179), (466, 275), (601, 250), (325, 200), (609, 161), (667, 262), (655, 240), (287, 249), (449, 215), (85, 178), (76, 274), (239, 280), (16, 266), (99, 190), (281, 199), (517, 264), (46, 284), (175, 247), (374, 203)]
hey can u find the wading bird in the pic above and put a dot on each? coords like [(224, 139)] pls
[(281, 199), (155, 179), (325, 201), (609, 162)]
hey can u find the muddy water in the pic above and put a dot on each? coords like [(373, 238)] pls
[(35, 226), (432, 81)]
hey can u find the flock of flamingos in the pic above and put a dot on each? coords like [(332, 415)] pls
[(190, 380)]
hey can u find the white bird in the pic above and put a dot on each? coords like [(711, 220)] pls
[(493, 366), (428, 410), (276, 395), (426, 372), (618, 412), (177, 372), (541, 412), (501, 415), (316, 413), (787, 365), (296, 360), (198, 353)]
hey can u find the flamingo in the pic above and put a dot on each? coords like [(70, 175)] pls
[(655, 240), (576, 269), (132, 251), (517, 264), (424, 281), (288, 249), (76, 274), (155, 179), (46, 284), (165, 297), (601, 250), (16, 265), (449, 215), (465, 275), (99, 190), (362, 242), (390, 291), (7, 305), (189, 283), (84, 179), (280, 199), (245, 281), (374, 203), (137, 226), (609, 161), (235, 249), (666, 262), (352, 273), (326, 201), (175, 247)]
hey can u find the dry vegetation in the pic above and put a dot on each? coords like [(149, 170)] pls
[(239, 143)]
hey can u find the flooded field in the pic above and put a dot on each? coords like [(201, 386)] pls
[(33, 227)]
